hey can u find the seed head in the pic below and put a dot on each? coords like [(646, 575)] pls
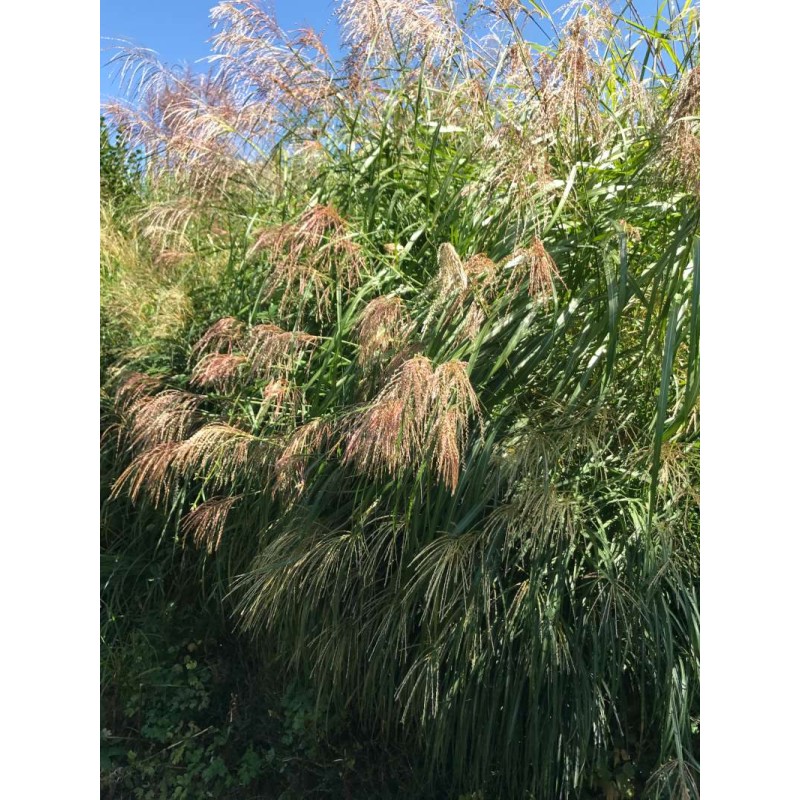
[(218, 370), (150, 473), (278, 396), (222, 337), (205, 524), (535, 263), (421, 411), (165, 417), (218, 452), (382, 327), (424, 26), (309, 257), (272, 350), (132, 387), (291, 465)]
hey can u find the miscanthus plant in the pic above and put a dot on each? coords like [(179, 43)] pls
[(407, 342)]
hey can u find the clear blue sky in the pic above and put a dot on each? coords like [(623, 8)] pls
[(179, 30)]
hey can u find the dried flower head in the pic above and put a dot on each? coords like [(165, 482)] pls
[(386, 27), (633, 233), (168, 258), (223, 336), (480, 268), (205, 524), (482, 274), (183, 119), (521, 157), (449, 443), (321, 238), (382, 327), (217, 452), (562, 89), (272, 350), (473, 321), (679, 159), (535, 263), (310, 257), (420, 411), (133, 386), (390, 433), (298, 285), (687, 100), (452, 277), (450, 285), (150, 473), (165, 417), (291, 465), (507, 6), (684, 149), (280, 396), (641, 103), (271, 241), (455, 400), (218, 370), (343, 259), (453, 391), (270, 67), (318, 224)]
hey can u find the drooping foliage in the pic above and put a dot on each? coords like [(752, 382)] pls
[(406, 347)]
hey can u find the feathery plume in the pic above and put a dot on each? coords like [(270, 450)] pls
[(452, 277), (309, 257), (321, 235), (382, 326), (451, 284), (680, 157), (632, 232), (482, 274), (216, 451), (386, 27), (421, 410), (167, 258), (278, 396), (132, 387), (480, 269), (455, 400), (165, 417), (473, 321), (687, 101), (218, 370), (222, 337), (391, 432), (291, 465), (271, 68), (271, 241), (206, 523), (184, 119), (448, 445), (150, 473), (272, 349), (298, 284), (535, 263)]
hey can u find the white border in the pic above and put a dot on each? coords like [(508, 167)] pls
[(50, 382)]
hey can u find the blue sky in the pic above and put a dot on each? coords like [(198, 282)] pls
[(178, 30)]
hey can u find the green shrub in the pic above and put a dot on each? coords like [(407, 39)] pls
[(119, 166)]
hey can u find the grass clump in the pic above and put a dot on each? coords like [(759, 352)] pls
[(401, 366)]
